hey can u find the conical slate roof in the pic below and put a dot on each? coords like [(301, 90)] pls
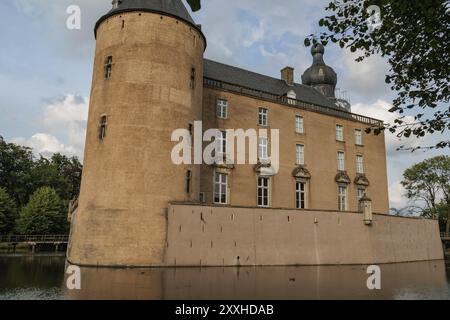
[(172, 8)]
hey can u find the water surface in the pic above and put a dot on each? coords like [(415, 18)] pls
[(42, 277)]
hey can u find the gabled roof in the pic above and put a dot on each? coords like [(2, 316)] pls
[(233, 75)]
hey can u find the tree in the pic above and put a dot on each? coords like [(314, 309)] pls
[(195, 4), (414, 37), (8, 213), (71, 169), (45, 213), (429, 182), (59, 172), (16, 163)]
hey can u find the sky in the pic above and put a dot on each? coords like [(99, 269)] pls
[(46, 69)]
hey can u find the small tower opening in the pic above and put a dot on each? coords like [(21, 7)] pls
[(108, 67), (102, 127)]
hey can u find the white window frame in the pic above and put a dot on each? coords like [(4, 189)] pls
[(300, 154), (358, 137), (263, 148), (263, 117), (342, 198), (222, 143), (339, 132), (222, 109), (220, 188), (298, 195), (299, 124), (341, 160), (263, 201), (360, 164)]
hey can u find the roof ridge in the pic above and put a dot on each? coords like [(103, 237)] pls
[(246, 70)]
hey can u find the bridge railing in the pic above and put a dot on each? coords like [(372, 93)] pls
[(33, 238)]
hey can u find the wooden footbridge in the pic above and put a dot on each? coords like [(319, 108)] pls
[(34, 241)]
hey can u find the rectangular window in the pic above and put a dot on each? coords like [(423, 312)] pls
[(263, 192), (222, 142), (359, 164), (220, 188), (222, 109), (263, 117), (263, 146), (339, 132), (108, 67), (360, 194), (341, 160), (358, 137), (342, 198), (193, 77), (299, 124), (300, 195), (188, 181), (300, 154), (102, 127)]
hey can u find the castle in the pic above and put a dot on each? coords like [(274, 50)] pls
[(137, 208)]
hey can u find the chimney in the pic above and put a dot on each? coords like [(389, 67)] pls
[(287, 74)]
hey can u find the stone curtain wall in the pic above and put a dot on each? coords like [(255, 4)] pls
[(230, 236)]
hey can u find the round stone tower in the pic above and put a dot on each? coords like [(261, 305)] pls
[(147, 82)]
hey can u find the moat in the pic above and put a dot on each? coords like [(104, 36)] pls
[(42, 277)]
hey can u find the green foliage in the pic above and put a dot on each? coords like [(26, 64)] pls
[(45, 213), (60, 172), (8, 213), (16, 163), (195, 4), (429, 182), (21, 175), (414, 37)]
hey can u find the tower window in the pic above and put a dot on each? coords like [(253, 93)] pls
[(361, 192), (263, 146), (299, 124), (300, 154), (339, 132), (220, 188), (300, 195), (108, 67), (358, 137), (341, 160), (263, 192), (188, 181), (193, 77), (222, 109), (263, 117), (360, 164), (342, 198), (102, 127), (221, 147)]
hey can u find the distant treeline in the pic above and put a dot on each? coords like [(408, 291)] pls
[(35, 192)]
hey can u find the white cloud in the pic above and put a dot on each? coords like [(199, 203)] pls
[(64, 119), (45, 144), (364, 79), (380, 110), (67, 116)]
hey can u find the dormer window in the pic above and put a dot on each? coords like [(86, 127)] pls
[(291, 97)]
